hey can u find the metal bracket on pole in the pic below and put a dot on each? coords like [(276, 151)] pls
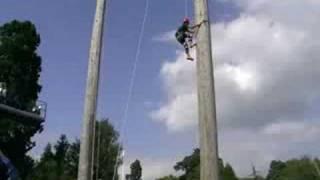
[(21, 113), (36, 114)]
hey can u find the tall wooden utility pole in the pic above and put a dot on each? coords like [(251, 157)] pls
[(206, 96), (86, 150)]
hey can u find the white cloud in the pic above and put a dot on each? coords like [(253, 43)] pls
[(179, 83), (249, 68), (266, 64), (166, 37), (293, 131), (271, 73)]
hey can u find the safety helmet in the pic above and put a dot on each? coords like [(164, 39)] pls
[(186, 20)]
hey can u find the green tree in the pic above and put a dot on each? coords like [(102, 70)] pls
[(299, 169), (54, 164), (47, 153), (20, 70), (190, 165), (73, 159), (108, 150), (228, 173), (136, 170), (45, 168), (294, 169), (275, 170), (61, 162), (60, 156), (170, 177)]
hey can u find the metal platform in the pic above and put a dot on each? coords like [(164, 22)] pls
[(37, 114)]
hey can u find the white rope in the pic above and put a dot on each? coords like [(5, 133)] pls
[(131, 86)]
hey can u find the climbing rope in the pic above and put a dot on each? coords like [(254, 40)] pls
[(131, 86)]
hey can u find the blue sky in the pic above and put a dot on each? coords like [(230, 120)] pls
[(265, 65), (65, 29)]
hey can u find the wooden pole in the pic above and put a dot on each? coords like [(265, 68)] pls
[(86, 149), (206, 96)]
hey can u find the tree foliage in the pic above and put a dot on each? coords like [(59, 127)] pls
[(20, 70), (275, 170), (170, 177), (136, 171), (294, 169), (228, 173), (55, 162), (61, 149), (60, 161), (190, 166), (108, 150), (72, 158), (20, 64)]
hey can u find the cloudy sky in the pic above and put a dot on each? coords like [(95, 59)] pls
[(266, 69)]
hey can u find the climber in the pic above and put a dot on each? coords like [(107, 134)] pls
[(184, 35)]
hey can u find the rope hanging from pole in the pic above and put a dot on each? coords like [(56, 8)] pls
[(131, 86)]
